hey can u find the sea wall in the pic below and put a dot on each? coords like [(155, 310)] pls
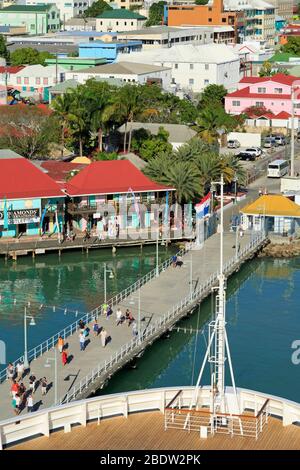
[(281, 249)]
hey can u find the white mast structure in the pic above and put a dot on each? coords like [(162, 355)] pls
[(218, 352)]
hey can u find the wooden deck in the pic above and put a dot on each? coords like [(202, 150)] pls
[(145, 431)]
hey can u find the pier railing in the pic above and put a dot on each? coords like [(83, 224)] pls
[(90, 316), (162, 324)]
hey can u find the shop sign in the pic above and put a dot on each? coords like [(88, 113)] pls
[(22, 216)]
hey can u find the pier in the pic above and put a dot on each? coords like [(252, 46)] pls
[(165, 297)]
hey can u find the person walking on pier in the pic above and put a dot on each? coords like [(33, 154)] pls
[(44, 385), (95, 328), (32, 383), (64, 357), (14, 388), (119, 316), (20, 371), (82, 341), (10, 372), (29, 403), (60, 344), (103, 336)]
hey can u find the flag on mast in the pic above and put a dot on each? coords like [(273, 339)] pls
[(202, 208)]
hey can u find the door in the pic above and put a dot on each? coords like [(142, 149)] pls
[(21, 229)]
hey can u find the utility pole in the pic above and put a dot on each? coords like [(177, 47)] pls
[(293, 132)]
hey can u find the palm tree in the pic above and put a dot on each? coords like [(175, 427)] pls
[(100, 116), (62, 106), (209, 166), (232, 169), (210, 120), (183, 176), (80, 115), (128, 105)]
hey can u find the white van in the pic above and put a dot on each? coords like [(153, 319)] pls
[(278, 168)]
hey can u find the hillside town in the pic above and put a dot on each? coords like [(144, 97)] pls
[(149, 150)]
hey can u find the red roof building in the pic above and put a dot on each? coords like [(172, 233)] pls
[(111, 177), (272, 93), (20, 179), (60, 171)]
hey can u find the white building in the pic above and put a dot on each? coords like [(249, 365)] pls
[(195, 67), (68, 9), (127, 72), (35, 80), (119, 20)]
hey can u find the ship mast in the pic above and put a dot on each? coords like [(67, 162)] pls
[(218, 353)]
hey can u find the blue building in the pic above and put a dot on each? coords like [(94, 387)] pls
[(30, 201), (108, 50)]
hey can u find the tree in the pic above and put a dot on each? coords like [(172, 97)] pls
[(183, 176), (29, 56), (4, 52), (28, 131), (201, 2), (213, 94), (256, 111), (128, 105), (154, 146), (156, 14), (266, 69), (211, 121), (292, 46), (96, 9), (62, 106), (104, 156)]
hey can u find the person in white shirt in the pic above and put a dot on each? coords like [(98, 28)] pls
[(119, 316), (20, 371), (29, 403)]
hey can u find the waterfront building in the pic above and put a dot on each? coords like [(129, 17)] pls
[(35, 80), (39, 19), (273, 213), (114, 184), (271, 93), (179, 134), (109, 50), (30, 201), (195, 67), (127, 72), (119, 20), (128, 4)]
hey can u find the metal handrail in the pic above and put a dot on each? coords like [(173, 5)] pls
[(90, 316), (162, 321)]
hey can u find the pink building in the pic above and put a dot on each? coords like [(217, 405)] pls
[(272, 93)]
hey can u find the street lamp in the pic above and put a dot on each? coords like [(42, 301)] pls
[(190, 261), (55, 373), (132, 302), (32, 323), (111, 276), (157, 260)]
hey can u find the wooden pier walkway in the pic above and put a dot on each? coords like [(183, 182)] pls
[(162, 304)]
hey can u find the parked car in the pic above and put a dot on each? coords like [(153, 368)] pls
[(256, 151), (233, 144), (280, 139), (246, 156), (269, 142), (272, 138)]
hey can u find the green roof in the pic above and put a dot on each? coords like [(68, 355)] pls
[(281, 57), (27, 8), (121, 14)]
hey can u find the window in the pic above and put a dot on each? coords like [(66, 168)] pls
[(278, 90), (209, 20), (37, 81), (176, 66), (206, 82), (206, 67), (259, 103), (132, 23), (191, 66), (223, 20), (236, 103), (117, 23), (26, 80), (125, 23), (261, 90), (19, 80), (45, 81), (191, 81)]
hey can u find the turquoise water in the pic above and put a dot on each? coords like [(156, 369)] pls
[(263, 320), (74, 282)]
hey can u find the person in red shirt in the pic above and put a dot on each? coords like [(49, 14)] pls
[(64, 357), (14, 388)]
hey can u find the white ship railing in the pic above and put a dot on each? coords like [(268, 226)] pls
[(161, 325), (95, 409)]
